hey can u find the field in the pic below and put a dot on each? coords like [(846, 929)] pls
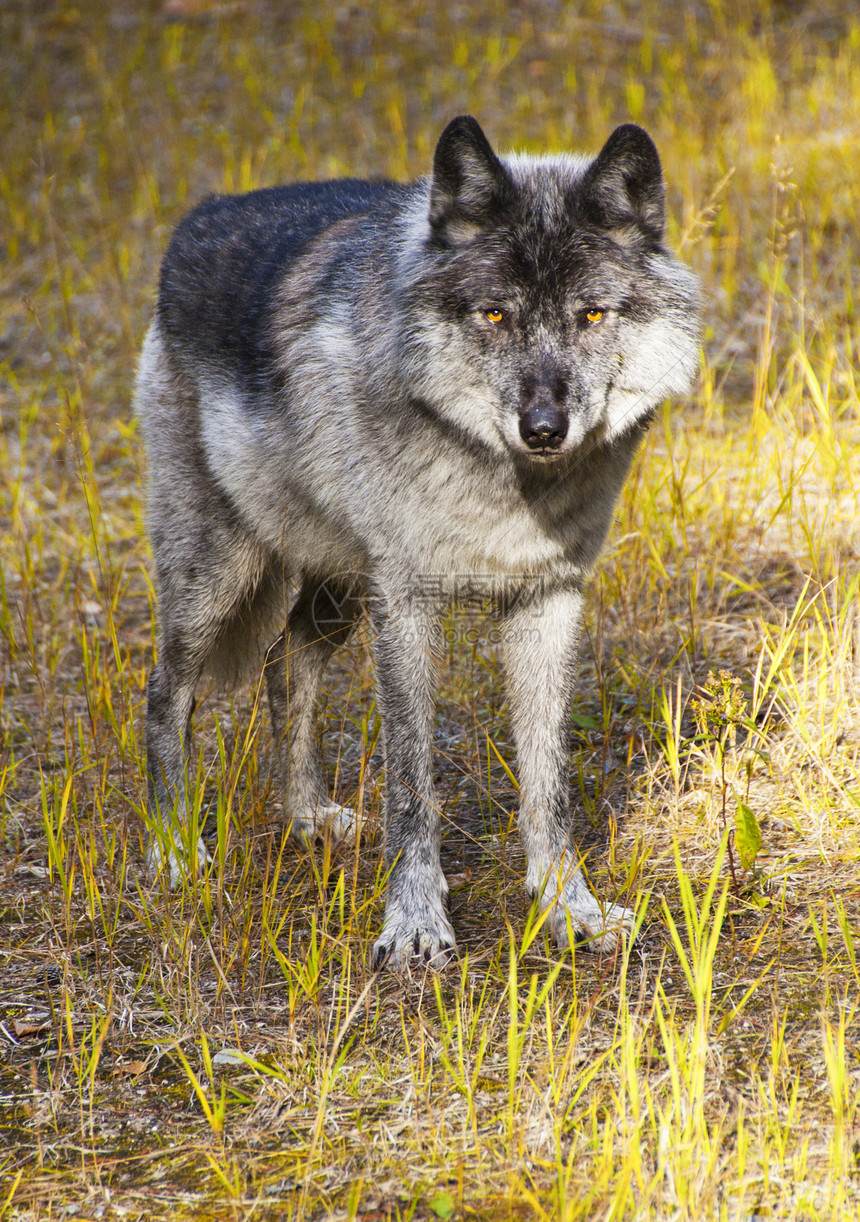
[(225, 1051)]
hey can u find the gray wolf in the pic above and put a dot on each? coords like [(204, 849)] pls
[(349, 386)]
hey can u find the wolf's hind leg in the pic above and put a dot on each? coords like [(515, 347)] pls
[(169, 705), (203, 589), (541, 636), (320, 620), (208, 569)]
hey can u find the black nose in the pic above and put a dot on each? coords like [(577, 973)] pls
[(543, 428)]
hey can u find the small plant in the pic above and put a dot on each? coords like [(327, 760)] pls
[(720, 710)]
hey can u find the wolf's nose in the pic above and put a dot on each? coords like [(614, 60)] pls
[(543, 428)]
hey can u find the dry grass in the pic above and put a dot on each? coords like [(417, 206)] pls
[(225, 1052)]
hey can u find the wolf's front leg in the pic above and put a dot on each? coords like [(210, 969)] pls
[(541, 636), (406, 648)]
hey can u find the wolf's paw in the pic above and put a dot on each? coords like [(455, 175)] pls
[(595, 926), (165, 856), (411, 936), (342, 821)]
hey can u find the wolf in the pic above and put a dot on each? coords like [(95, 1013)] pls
[(383, 395)]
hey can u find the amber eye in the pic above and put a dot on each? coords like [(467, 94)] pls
[(494, 316), (593, 315)]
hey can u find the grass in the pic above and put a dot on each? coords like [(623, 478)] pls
[(225, 1052)]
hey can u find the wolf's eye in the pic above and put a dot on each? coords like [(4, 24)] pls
[(593, 315), (494, 316)]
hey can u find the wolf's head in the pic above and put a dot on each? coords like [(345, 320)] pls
[(541, 307)]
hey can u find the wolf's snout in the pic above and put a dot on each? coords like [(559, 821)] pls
[(544, 427)]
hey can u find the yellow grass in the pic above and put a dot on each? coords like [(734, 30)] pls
[(225, 1052)]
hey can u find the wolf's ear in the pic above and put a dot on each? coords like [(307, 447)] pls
[(624, 184), (469, 183)]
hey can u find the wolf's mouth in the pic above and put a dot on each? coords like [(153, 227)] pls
[(545, 453)]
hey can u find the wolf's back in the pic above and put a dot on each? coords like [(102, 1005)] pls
[(227, 258)]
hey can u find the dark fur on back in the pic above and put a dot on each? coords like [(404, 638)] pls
[(226, 260)]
